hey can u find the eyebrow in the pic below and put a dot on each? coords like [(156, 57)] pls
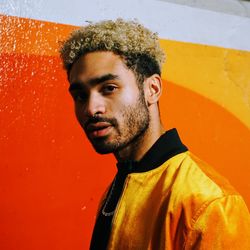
[(78, 85)]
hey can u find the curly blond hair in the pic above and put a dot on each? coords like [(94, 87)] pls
[(137, 45)]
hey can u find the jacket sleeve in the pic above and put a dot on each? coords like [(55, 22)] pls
[(222, 224)]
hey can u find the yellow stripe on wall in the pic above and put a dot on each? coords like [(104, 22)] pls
[(222, 75)]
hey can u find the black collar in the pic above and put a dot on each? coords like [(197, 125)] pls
[(167, 146)]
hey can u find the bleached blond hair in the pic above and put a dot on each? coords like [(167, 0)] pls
[(138, 46)]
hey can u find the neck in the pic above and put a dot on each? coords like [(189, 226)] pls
[(136, 150)]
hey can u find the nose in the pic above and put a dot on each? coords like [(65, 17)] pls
[(95, 105)]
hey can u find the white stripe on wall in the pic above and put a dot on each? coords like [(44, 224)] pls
[(171, 21)]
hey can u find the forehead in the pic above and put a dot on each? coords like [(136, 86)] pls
[(96, 64)]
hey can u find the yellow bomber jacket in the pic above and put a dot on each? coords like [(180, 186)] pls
[(182, 204)]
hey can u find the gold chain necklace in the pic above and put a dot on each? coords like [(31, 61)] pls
[(107, 201)]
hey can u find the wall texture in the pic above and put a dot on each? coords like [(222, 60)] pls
[(234, 7), (51, 179)]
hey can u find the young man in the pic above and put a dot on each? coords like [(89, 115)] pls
[(162, 197)]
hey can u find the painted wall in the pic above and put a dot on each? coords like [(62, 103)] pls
[(234, 7), (51, 179)]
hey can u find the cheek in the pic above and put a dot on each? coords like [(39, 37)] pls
[(131, 97), (128, 99)]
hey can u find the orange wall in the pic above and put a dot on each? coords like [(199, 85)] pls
[(51, 179)]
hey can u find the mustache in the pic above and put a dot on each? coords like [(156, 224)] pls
[(96, 119)]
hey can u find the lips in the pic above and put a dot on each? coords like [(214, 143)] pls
[(98, 129)]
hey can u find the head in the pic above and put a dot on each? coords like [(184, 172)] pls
[(113, 68)]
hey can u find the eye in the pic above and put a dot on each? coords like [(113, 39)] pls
[(79, 97), (108, 89)]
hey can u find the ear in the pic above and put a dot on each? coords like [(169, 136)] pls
[(153, 89)]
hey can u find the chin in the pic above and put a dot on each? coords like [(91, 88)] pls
[(104, 149)]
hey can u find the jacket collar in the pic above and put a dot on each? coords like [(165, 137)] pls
[(167, 146)]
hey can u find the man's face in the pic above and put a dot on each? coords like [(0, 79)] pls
[(108, 103)]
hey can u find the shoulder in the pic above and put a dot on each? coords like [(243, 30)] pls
[(197, 186), (212, 212), (195, 177)]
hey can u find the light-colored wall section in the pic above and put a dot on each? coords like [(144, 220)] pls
[(171, 21), (234, 7)]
